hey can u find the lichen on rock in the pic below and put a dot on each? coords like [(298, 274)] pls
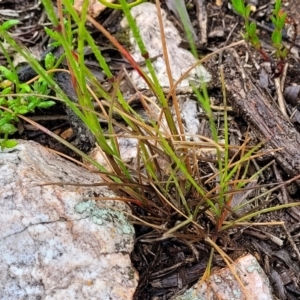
[(54, 244), (103, 215)]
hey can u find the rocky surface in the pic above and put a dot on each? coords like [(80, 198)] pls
[(223, 286), (180, 59), (56, 242)]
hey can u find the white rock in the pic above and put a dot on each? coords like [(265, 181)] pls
[(222, 285), (55, 242), (180, 59)]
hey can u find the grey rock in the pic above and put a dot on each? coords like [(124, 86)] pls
[(56, 242)]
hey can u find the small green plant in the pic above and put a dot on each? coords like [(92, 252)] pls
[(250, 27), (278, 20), (12, 99)]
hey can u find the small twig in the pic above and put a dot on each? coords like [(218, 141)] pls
[(202, 20), (295, 248), (281, 103), (283, 77), (282, 188), (284, 197), (49, 118)]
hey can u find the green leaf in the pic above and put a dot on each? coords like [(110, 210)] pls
[(9, 74), (24, 87), (8, 128), (281, 20), (46, 104), (3, 101), (239, 7), (22, 110), (245, 36), (273, 20), (8, 143), (51, 12), (51, 33), (252, 29), (5, 119), (276, 37), (54, 44), (284, 53), (277, 7), (31, 106), (255, 42), (8, 24), (49, 61), (247, 11), (277, 45), (6, 91), (12, 104)]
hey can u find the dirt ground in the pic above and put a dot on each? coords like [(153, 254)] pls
[(170, 266)]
